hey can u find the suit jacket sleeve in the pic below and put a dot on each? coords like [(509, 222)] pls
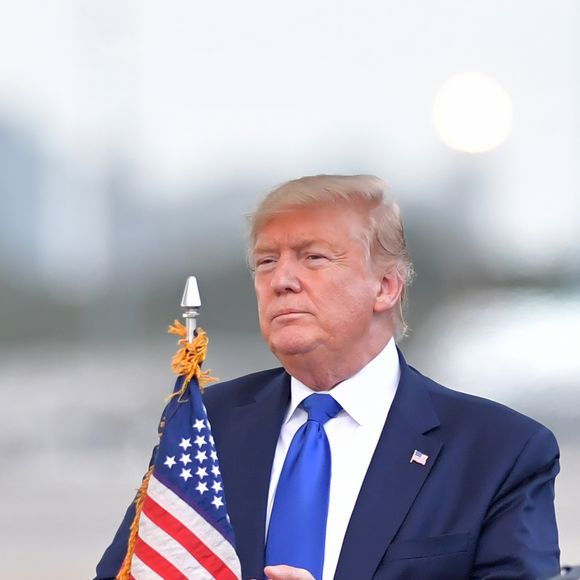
[(519, 537)]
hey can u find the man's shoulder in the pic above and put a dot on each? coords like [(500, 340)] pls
[(463, 413), (241, 390)]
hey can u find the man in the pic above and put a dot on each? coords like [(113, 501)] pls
[(425, 482)]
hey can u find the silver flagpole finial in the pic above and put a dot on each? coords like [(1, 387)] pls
[(191, 302)]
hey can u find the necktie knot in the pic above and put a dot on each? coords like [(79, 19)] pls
[(320, 408)]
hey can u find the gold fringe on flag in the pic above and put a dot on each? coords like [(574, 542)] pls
[(125, 571), (187, 363)]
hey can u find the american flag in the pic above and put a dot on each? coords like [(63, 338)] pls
[(184, 529), (419, 458)]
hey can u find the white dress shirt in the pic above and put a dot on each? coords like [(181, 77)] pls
[(353, 435)]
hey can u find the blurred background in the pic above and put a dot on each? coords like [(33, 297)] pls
[(135, 135)]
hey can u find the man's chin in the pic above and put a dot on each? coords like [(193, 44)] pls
[(288, 346)]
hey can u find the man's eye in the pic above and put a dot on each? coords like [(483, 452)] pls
[(315, 257), (264, 262)]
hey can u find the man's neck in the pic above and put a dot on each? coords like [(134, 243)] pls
[(322, 371)]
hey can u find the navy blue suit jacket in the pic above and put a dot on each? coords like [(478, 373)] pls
[(481, 507)]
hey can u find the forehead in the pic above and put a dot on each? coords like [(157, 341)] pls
[(318, 223)]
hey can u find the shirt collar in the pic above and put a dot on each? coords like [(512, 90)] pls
[(366, 394)]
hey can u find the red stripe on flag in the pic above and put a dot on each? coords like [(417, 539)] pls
[(202, 553), (156, 561)]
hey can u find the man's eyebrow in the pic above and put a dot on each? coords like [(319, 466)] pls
[(263, 249), (299, 246), (306, 244)]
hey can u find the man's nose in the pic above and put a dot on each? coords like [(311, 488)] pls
[(285, 277)]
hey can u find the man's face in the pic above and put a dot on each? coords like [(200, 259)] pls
[(315, 287)]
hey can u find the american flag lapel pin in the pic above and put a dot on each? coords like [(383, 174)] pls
[(418, 457)]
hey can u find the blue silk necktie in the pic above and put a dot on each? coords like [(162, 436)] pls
[(297, 530)]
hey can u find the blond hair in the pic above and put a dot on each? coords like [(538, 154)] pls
[(384, 235)]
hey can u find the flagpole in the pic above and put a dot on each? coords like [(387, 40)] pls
[(191, 303), (181, 522)]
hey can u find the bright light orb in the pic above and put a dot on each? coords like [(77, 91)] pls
[(472, 113)]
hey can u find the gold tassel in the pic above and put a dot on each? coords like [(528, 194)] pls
[(187, 360), (125, 571), (187, 363)]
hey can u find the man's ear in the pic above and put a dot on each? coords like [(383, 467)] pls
[(390, 289)]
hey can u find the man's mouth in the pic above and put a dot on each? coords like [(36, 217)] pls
[(287, 312)]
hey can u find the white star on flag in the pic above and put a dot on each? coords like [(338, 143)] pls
[(199, 441), (215, 470), (216, 486), (201, 472), (217, 501), (169, 461), (201, 456), (213, 455), (199, 425), (185, 443), (202, 487), (185, 459), (186, 474)]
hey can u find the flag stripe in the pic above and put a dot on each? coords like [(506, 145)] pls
[(140, 570), (195, 523), (158, 564), (175, 528), (202, 508), (170, 549)]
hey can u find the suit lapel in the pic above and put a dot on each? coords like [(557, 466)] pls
[(255, 427), (392, 482)]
